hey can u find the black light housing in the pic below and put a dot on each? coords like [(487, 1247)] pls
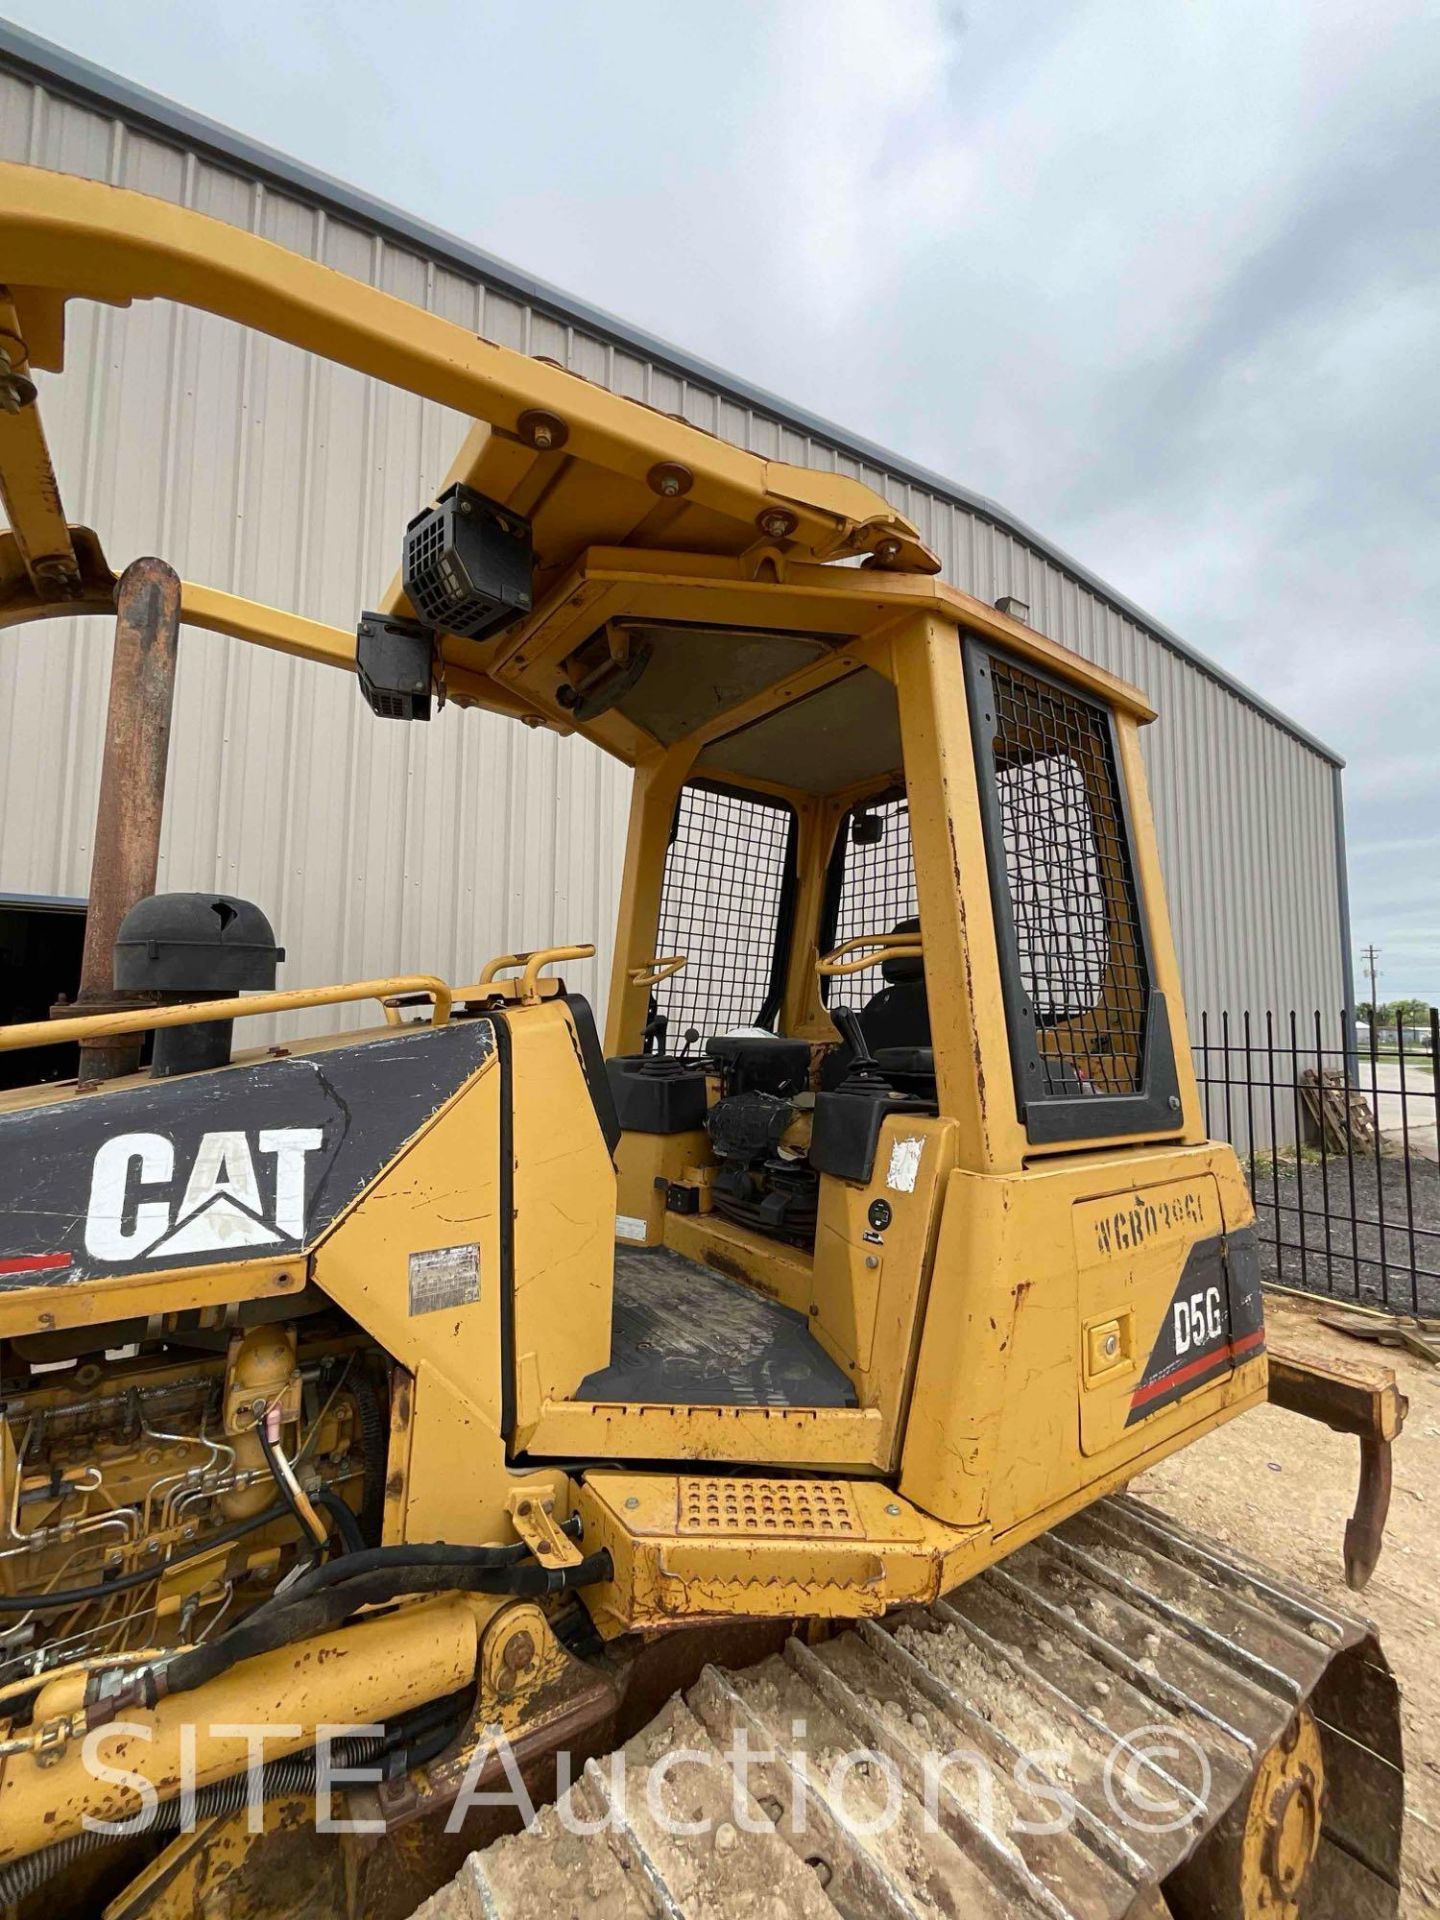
[(468, 564), (395, 662)]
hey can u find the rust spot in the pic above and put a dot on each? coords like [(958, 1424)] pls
[(395, 1486), (737, 1270)]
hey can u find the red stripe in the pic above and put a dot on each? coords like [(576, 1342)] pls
[(34, 1262), (1234, 1351)]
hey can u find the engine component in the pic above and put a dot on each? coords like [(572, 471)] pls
[(761, 1061), (137, 1506), (175, 947), (764, 1180)]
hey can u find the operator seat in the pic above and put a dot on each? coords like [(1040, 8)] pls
[(895, 1020)]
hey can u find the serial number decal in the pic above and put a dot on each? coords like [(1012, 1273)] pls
[(442, 1277), (1160, 1217)]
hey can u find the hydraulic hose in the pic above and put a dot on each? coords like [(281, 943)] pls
[(427, 1554), (287, 1619), (347, 1527), (294, 1774)]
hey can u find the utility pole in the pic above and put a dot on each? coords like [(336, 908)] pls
[(1370, 955)]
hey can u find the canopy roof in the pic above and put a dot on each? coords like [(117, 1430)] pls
[(597, 476)]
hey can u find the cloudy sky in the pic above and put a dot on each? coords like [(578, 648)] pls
[(1162, 276)]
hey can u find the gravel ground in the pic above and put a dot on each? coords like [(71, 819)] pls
[(1347, 1266)]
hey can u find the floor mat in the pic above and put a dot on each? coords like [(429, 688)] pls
[(684, 1336)]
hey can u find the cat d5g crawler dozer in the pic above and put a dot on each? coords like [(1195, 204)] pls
[(750, 1396)]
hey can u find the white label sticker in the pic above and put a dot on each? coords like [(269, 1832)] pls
[(904, 1165), (442, 1277), (627, 1227)]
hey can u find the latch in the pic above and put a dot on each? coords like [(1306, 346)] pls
[(533, 1517)]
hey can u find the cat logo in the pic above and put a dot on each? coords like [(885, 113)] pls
[(133, 1213)]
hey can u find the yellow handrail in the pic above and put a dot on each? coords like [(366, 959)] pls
[(499, 964), (542, 957), (870, 950), (527, 987), (654, 971), (100, 1026)]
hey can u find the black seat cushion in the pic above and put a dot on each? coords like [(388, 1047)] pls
[(903, 968), (898, 1016)]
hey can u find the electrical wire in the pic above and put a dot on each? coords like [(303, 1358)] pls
[(289, 1487)]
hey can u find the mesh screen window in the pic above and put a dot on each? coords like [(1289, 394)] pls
[(721, 904), (877, 892), (1071, 885)]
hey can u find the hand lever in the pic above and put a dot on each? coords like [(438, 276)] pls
[(864, 1068), (653, 1036)]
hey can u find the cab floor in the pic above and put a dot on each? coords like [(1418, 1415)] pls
[(684, 1336)]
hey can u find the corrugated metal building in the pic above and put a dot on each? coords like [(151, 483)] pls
[(380, 849)]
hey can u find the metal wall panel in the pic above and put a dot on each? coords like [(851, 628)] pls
[(379, 848)]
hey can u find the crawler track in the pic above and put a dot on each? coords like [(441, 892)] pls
[(1146, 1677)]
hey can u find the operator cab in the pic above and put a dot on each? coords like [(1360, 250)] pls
[(786, 1029), (866, 880)]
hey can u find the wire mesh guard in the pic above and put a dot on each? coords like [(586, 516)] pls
[(720, 905), (1071, 885), (877, 892)]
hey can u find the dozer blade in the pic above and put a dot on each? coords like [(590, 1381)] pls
[(1114, 1721)]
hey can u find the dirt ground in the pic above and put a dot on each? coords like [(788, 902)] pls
[(1279, 1488)]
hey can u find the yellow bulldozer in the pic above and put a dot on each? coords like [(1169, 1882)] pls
[(705, 1445)]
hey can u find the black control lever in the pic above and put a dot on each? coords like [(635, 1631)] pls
[(653, 1036), (864, 1070)]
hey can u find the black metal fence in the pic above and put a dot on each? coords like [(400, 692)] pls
[(1337, 1126)]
